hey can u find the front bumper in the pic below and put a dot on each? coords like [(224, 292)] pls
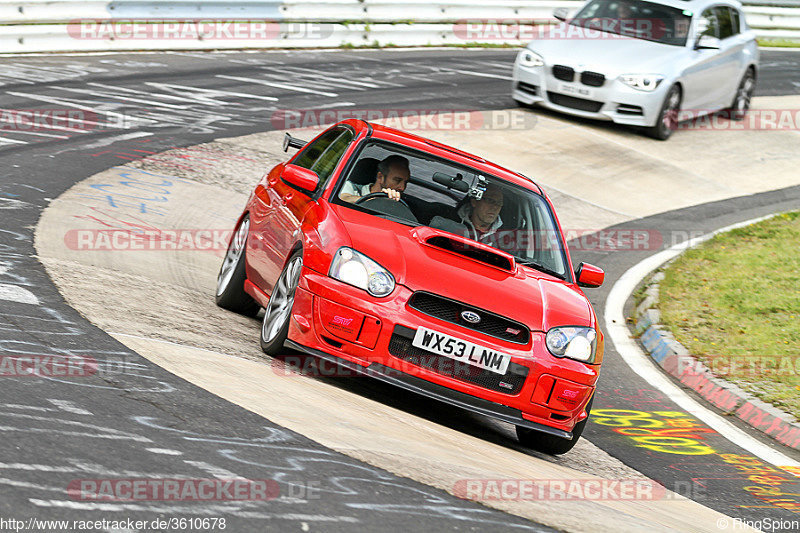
[(437, 392), (345, 325), (613, 101)]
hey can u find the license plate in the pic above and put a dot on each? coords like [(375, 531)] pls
[(461, 350), (577, 90)]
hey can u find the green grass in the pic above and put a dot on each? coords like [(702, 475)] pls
[(783, 43), (734, 302)]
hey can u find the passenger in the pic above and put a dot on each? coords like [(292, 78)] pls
[(625, 20), (392, 177), (624, 10), (482, 217)]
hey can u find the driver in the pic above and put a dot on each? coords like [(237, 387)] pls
[(482, 217), (392, 177)]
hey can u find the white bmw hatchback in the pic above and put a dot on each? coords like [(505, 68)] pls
[(642, 63)]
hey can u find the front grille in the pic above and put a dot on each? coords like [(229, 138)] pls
[(564, 73), (594, 79), (510, 383), (575, 103), (450, 311), (528, 88)]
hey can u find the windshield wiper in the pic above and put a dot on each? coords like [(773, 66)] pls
[(541, 268)]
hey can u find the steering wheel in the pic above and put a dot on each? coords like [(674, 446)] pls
[(379, 194)]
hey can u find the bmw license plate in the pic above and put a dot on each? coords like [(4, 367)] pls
[(460, 350), (568, 88)]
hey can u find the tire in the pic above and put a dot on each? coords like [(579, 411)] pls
[(550, 444), (741, 102), (278, 314), (668, 116), (230, 280)]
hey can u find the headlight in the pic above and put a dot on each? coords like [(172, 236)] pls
[(642, 82), (528, 58), (572, 341), (357, 269)]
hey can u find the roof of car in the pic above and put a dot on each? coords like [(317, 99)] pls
[(436, 148)]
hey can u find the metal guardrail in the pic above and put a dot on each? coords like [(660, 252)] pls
[(55, 25), (773, 3)]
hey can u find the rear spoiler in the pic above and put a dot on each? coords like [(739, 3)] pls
[(292, 142)]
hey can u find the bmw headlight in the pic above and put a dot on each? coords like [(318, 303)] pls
[(642, 82), (574, 342), (357, 269), (529, 58)]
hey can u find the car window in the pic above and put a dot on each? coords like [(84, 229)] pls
[(709, 23), (312, 151), (725, 23), (441, 194), (637, 19), (735, 21), (326, 163)]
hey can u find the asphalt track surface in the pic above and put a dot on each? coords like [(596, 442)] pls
[(128, 419)]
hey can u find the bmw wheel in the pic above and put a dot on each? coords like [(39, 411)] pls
[(275, 327), (550, 444), (668, 117), (230, 280), (741, 102)]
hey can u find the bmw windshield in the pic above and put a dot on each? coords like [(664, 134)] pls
[(419, 189), (636, 19)]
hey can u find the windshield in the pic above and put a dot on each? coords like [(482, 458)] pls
[(637, 19), (456, 199)]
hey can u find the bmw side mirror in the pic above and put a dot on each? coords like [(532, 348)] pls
[(300, 178), (707, 42), (589, 275), (561, 13)]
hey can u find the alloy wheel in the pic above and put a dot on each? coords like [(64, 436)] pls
[(281, 300), (232, 256)]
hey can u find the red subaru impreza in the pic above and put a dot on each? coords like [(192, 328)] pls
[(426, 267)]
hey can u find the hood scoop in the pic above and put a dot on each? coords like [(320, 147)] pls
[(455, 244)]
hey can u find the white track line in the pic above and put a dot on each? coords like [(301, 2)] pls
[(15, 293), (643, 365), (285, 86)]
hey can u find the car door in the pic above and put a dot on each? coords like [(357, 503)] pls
[(263, 245), (732, 48), (701, 77), (292, 203)]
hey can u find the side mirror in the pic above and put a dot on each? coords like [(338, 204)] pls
[(300, 178), (292, 142), (589, 275), (707, 42), (561, 13)]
